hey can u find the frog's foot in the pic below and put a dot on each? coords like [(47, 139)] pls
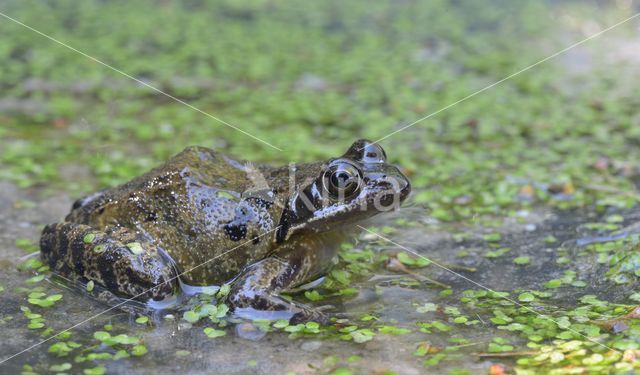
[(325, 313), (325, 308), (115, 259), (100, 294), (310, 315), (254, 294)]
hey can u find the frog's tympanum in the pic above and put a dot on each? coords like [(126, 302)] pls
[(204, 219)]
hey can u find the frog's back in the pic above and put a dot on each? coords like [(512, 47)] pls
[(193, 208)]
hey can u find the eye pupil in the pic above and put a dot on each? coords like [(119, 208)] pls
[(340, 179)]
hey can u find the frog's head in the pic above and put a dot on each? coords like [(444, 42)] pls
[(344, 190)]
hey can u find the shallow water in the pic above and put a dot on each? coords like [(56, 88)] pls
[(175, 345), (116, 137)]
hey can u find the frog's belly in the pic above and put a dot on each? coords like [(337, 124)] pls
[(202, 267)]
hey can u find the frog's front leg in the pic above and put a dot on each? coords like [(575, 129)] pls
[(255, 293), (116, 259)]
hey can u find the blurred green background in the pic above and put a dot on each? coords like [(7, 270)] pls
[(310, 77)]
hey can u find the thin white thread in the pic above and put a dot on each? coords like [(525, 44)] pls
[(484, 287), (508, 77), (141, 82), (132, 298)]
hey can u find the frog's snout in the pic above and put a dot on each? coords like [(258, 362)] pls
[(396, 187), (405, 189), (388, 179)]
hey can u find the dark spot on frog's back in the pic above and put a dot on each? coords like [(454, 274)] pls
[(236, 232), (263, 203)]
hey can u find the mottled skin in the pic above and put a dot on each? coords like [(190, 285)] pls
[(207, 220)]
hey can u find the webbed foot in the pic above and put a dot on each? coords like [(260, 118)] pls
[(255, 294)]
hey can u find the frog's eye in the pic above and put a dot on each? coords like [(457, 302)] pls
[(366, 152), (342, 180), (373, 153)]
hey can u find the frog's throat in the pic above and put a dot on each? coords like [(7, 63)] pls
[(298, 212)]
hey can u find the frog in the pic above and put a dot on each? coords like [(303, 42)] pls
[(205, 219)]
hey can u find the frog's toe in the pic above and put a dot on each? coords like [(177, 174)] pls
[(326, 314), (344, 316), (325, 307), (310, 315)]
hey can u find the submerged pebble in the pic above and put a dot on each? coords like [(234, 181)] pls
[(309, 346), (249, 331)]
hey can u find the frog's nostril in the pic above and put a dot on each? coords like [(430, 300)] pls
[(393, 185)]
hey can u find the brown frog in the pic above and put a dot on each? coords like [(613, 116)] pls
[(204, 219)]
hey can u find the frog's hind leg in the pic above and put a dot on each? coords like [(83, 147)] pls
[(115, 259), (254, 294)]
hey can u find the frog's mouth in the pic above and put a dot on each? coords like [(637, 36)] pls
[(311, 211)]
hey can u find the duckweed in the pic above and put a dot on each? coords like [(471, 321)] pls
[(142, 320), (36, 299), (213, 333), (530, 143)]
